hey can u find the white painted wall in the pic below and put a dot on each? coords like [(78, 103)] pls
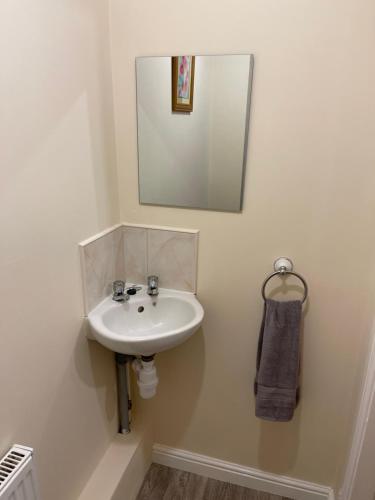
[(57, 187), (364, 484), (358, 481)]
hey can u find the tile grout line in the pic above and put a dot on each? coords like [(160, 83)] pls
[(147, 252)]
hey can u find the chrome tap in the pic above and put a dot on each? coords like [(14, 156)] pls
[(119, 294), (153, 285)]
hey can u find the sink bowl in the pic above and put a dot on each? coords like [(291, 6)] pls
[(146, 325)]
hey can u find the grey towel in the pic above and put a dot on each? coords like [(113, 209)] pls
[(276, 382)]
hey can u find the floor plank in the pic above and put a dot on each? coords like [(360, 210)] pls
[(155, 482), (165, 483), (185, 486)]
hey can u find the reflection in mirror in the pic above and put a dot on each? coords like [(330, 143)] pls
[(193, 118)]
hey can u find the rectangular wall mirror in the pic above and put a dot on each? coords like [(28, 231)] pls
[(193, 121)]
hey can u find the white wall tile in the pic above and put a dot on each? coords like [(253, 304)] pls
[(132, 253), (102, 262), (135, 254), (172, 255)]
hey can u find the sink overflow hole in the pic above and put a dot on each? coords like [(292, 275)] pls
[(141, 309)]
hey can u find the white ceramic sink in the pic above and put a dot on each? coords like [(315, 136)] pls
[(146, 325)]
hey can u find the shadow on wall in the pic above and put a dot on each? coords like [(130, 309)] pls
[(95, 366), (278, 445), (90, 370), (183, 389)]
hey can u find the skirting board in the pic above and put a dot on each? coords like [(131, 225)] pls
[(240, 475)]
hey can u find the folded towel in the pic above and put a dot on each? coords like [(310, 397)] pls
[(276, 382)]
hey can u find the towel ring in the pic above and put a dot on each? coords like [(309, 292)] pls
[(284, 266)]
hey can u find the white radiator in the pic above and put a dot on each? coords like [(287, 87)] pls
[(17, 475)]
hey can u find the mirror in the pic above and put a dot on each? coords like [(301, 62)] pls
[(193, 120)]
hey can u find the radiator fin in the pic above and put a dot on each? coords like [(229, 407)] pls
[(17, 475)]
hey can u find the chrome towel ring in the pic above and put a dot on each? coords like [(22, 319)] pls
[(283, 266)]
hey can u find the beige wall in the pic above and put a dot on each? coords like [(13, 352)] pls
[(309, 195), (57, 187)]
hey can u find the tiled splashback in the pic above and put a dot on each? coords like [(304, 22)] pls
[(170, 254), (132, 252), (102, 261)]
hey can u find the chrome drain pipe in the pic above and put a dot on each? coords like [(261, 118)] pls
[(124, 401)]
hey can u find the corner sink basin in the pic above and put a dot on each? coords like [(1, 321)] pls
[(146, 325)]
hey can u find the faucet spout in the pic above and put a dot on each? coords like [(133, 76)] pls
[(119, 293), (153, 285)]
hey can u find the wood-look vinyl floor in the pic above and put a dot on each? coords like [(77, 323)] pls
[(165, 483)]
